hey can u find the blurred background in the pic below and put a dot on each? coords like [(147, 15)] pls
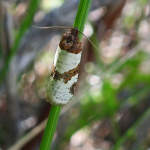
[(110, 109)]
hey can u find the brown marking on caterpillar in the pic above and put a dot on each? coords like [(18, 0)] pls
[(72, 88), (66, 76), (70, 41)]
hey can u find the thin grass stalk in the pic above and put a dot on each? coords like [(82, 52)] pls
[(131, 131), (81, 16), (50, 127), (22, 30)]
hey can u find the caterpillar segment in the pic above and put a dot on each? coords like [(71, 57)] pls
[(65, 69)]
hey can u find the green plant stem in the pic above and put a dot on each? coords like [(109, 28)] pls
[(82, 14), (80, 20), (50, 127), (131, 131), (23, 28)]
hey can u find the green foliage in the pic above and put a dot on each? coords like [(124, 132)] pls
[(124, 79), (50, 127), (130, 133), (105, 101), (22, 30)]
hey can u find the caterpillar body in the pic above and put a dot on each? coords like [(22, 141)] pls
[(65, 69)]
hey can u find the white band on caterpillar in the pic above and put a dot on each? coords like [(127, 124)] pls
[(65, 70)]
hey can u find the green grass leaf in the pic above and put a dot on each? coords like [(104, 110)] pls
[(80, 20)]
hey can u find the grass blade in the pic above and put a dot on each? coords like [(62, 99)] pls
[(23, 28), (80, 20)]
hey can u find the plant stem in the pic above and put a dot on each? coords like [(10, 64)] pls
[(23, 28), (50, 127), (80, 20), (131, 130), (82, 14)]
